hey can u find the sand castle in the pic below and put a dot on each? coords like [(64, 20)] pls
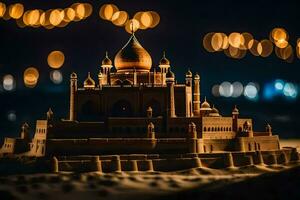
[(136, 117)]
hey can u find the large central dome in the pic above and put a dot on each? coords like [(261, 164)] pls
[(133, 57)]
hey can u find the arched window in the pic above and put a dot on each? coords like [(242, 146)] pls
[(118, 82), (249, 146), (211, 148), (208, 129), (127, 82), (204, 149), (218, 128), (204, 129)]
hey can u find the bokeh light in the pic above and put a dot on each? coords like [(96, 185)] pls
[(251, 91), (279, 84), (237, 89), (2, 9), (226, 89), (290, 90), (119, 18), (11, 116), (16, 10), (236, 39), (215, 90), (56, 17), (56, 76), (56, 59), (107, 11), (265, 48), (31, 77), (9, 83), (132, 26)]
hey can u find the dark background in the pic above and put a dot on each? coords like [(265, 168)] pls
[(180, 32)]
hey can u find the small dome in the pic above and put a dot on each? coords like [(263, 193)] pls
[(205, 104), (235, 110), (73, 75), (170, 74), (189, 74), (214, 112), (197, 77), (106, 61), (164, 60), (89, 82), (133, 57)]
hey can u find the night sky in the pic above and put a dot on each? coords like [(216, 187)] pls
[(180, 33)]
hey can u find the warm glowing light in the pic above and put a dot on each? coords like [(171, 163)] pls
[(207, 42), (88, 9), (56, 17), (279, 34), (31, 76), (253, 47), (155, 19), (119, 18), (69, 14), (56, 76), (236, 53), (281, 43), (146, 19), (236, 39), (132, 26), (285, 53), (217, 41), (56, 59), (33, 17), (9, 83), (265, 48), (107, 11), (247, 37), (80, 11), (16, 10), (2, 9)]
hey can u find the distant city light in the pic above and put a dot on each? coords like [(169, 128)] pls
[(56, 59), (237, 89), (279, 84), (9, 83), (31, 77), (11, 116), (215, 90), (290, 90), (251, 91), (56, 76), (226, 89)]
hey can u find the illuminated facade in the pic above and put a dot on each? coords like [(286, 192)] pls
[(134, 108)]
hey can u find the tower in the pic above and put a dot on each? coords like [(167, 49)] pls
[(164, 66), (170, 80), (188, 94), (235, 116), (106, 67), (196, 102), (25, 132), (269, 129), (73, 91)]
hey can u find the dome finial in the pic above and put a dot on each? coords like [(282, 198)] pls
[(106, 54)]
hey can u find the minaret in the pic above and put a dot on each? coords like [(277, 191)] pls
[(235, 116), (196, 102), (25, 132), (170, 80), (106, 67), (164, 66), (73, 91), (188, 94)]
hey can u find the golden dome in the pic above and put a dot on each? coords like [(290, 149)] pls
[(205, 105), (106, 61), (89, 82), (164, 61), (133, 57)]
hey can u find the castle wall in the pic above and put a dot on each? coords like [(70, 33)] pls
[(217, 128)]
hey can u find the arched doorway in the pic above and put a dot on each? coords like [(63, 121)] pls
[(122, 108)]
